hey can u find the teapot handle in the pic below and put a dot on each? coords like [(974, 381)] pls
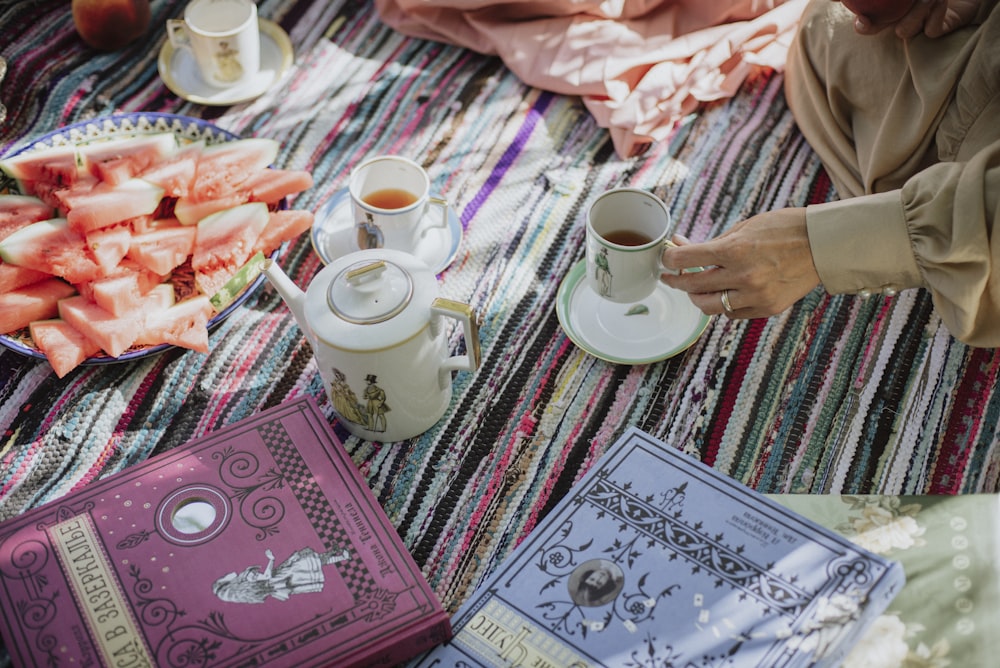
[(470, 327)]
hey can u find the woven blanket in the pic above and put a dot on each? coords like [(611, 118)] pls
[(838, 394)]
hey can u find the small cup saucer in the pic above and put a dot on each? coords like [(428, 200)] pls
[(333, 234), (661, 326), (180, 72)]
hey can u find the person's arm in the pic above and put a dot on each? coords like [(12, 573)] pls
[(944, 217), (935, 232), (270, 565)]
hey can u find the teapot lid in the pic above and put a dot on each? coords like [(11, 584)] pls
[(371, 299), (370, 292)]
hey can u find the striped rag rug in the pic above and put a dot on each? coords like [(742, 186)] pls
[(836, 395)]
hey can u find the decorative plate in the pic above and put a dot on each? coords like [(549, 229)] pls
[(109, 127)]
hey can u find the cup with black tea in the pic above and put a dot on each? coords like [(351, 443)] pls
[(392, 204), (626, 232)]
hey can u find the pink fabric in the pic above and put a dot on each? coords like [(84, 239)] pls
[(639, 65)]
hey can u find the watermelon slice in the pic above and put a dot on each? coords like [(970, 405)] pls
[(282, 226), (17, 211), (184, 324), (175, 177), (56, 165), (214, 281), (122, 294), (61, 343), (109, 245), (247, 274), (53, 247), (227, 238), (273, 185), (106, 205), (37, 301), (163, 249), (66, 195), (13, 277), (142, 224), (190, 210), (110, 333), (176, 174), (222, 168), (113, 334), (47, 192), (117, 160)]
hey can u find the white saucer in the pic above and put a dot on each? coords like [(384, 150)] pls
[(333, 235), (180, 72), (661, 326)]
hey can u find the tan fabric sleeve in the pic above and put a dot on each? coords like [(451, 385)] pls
[(862, 244), (908, 132), (935, 232)]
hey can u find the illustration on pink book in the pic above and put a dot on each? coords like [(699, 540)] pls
[(300, 573)]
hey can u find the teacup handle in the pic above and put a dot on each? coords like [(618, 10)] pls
[(177, 33), (443, 203), (470, 329), (667, 243)]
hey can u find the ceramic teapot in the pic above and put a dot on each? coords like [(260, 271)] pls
[(377, 329)]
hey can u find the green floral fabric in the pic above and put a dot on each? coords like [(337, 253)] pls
[(948, 614)]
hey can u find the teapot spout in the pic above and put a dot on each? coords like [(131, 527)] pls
[(294, 297)]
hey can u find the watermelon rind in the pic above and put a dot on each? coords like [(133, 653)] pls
[(51, 246), (162, 144), (246, 275), (24, 166)]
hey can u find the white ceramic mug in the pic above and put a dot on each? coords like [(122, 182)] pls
[(626, 233), (224, 38), (390, 196)]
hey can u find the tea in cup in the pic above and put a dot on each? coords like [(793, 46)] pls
[(626, 233), (224, 38), (390, 197)]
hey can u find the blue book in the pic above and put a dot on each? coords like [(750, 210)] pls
[(655, 559)]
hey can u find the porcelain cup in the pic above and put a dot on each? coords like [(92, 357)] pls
[(224, 38), (627, 231), (392, 205)]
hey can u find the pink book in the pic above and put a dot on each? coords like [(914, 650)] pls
[(258, 545)]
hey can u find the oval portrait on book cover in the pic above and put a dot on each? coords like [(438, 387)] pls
[(595, 582)]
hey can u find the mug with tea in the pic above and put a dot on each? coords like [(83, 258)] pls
[(224, 38), (626, 233), (390, 196)]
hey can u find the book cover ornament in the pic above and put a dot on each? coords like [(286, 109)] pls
[(259, 545), (654, 559)]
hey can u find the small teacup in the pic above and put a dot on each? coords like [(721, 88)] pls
[(391, 198), (223, 37), (626, 233)]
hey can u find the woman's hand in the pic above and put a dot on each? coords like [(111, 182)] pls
[(932, 17), (761, 266)]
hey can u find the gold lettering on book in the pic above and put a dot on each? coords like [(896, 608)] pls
[(96, 590), (497, 630)]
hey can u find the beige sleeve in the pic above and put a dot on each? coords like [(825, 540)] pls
[(935, 232)]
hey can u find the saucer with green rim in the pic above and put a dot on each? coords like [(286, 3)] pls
[(660, 326)]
